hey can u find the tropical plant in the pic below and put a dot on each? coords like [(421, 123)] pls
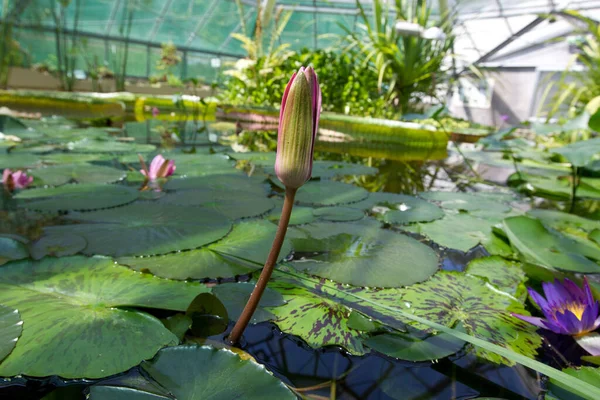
[(66, 53), (410, 68), (10, 51)]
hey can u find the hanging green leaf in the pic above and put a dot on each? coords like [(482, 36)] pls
[(363, 254), (78, 316)]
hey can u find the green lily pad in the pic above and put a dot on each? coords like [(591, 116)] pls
[(507, 276), (315, 317), (223, 183), (243, 250), (537, 245), (557, 187), (11, 327), (78, 318), (145, 229), (329, 193), (338, 214), (466, 231), (80, 173), (464, 201), (580, 153), (450, 297), (192, 165), (108, 146), (72, 158), (16, 161), (400, 209), (363, 254), (565, 223), (179, 324), (76, 197), (57, 246), (411, 348), (233, 204), (193, 372), (235, 296), (12, 249), (300, 215)]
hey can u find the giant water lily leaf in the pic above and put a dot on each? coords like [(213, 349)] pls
[(11, 327), (226, 182), (329, 193), (363, 254), (465, 201), (233, 204), (235, 296), (78, 318), (145, 229), (243, 250), (76, 197), (411, 348), (449, 298), (193, 372), (506, 275), (459, 231), (80, 173), (539, 246), (580, 153)]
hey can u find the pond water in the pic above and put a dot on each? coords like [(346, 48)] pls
[(331, 234)]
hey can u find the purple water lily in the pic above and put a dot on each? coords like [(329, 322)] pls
[(569, 309), (298, 125)]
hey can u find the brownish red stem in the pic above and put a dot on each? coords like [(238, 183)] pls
[(265, 275)]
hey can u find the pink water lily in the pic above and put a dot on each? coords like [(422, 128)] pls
[(569, 309), (298, 125), (159, 168), (15, 180)]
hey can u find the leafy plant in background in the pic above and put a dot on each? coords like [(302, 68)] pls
[(66, 52), (409, 68), (95, 70), (10, 51), (578, 89), (121, 50)]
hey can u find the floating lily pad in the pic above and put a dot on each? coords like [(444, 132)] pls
[(57, 246), (363, 254), (315, 317), (15, 161), (178, 324), (226, 182), (557, 187), (235, 296), (565, 223), (233, 204), (109, 146), (537, 245), (580, 153), (411, 348), (78, 316), (72, 158), (12, 249), (506, 275), (76, 197), (460, 231), (400, 209), (80, 173), (450, 297), (465, 201), (338, 214), (11, 327), (193, 372), (201, 164), (329, 193), (300, 215), (243, 250), (145, 229)]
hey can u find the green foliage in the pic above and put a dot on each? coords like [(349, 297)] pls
[(409, 68)]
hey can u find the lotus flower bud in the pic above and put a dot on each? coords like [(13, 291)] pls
[(15, 180), (298, 124)]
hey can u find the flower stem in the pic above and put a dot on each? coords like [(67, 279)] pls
[(263, 279)]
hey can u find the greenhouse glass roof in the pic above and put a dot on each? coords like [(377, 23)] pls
[(487, 30)]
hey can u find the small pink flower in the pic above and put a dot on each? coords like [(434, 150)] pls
[(159, 168), (15, 180), (155, 112)]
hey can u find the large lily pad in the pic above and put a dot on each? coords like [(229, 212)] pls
[(552, 250), (235, 296), (15, 161), (57, 246), (329, 193), (400, 209), (76, 197), (223, 183), (201, 164), (108, 146), (244, 250), (557, 187), (565, 223), (193, 372), (465, 201), (363, 254), (506, 275), (580, 153), (80, 173), (145, 229), (78, 318), (11, 327), (450, 297)]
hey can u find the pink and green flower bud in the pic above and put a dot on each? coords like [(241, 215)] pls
[(298, 125)]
